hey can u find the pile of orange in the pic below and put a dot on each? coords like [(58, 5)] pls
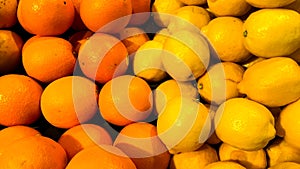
[(70, 97)]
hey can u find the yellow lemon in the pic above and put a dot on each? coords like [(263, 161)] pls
[(238, 121), (224, 165), (269, 3), (288, 121), (194, 2), (189, 18), (184, 125), (186, 55), (250, 159), (162, 35), (225, 34), (286, 165), (219, 83), (163, 11), (280, 151), (194, 159), (170, 89), (147, 62), (228, 8), (272, 32), (273, 82)]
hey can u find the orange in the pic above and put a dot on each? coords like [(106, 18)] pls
[(10, 51), (97, 14), (125, 99), (11, 134), (140, 11), (102, 57), (133, 38), (33, 152), (8, 13), (19, 100), (77, 23), (102, 156), (48, 58), (140, 142), (43, 17), (82, 136), (78, 38), (69, 101)]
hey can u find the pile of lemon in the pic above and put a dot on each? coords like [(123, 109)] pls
[(248, 81)]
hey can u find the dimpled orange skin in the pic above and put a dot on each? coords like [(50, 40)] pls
[(19, 100), (44, 17)]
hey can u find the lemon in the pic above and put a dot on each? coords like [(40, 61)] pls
[(219, 83), (280, 151), (252, 61), (193, 2), (163, 10), (286, 165), (186, 55), (188, 17), (184, 125), (161, 35), (273, 82), (170, 89), (250, 159), (272, 32), (228, 8), (225, 34), (224, 165), (238, 121), (289, 120), (147, 62), (194, 159), (269, 3)]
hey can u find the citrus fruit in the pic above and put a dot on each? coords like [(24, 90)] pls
[(48, 58), (161, 35), (172, 88), (193, 2), (162, 11), (100, 16), (186, 55), (228, 8), (286, 165), (273, 82), (140, 142), (237, 121), (82, 136), (101, 156), (78, 38), (225, 35), (188, 120), (10, 51), (249, 159), (280, 151), (69, 101), (125, 99), (19, 100), (46, 17), (8, 13), (223, 165), (147, 62), (140, 12), (11, 134), (189, 18), (269, 3), (194, 159), (266, 29), (288, 122), (33, 152), (220, 82), (103, 57)]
